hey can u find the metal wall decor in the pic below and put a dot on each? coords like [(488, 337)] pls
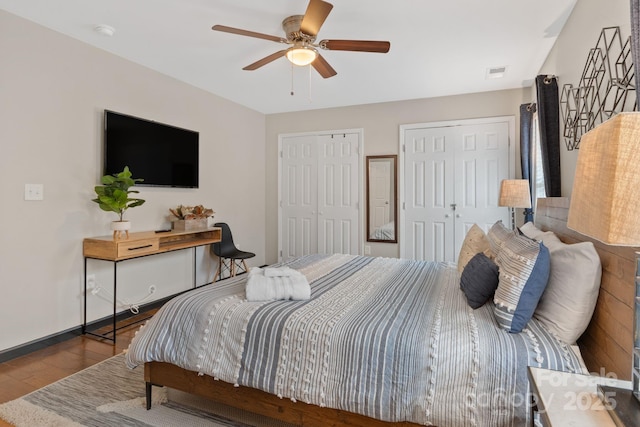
[(606, 87)]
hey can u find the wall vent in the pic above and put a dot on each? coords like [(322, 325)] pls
[(496, 72)]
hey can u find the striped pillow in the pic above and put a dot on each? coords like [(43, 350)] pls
[(524, 272), (497, 235)]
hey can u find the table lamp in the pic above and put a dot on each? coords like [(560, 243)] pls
[(514, 193), (606, 198)]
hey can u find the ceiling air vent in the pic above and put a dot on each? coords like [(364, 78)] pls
[(496, 72)]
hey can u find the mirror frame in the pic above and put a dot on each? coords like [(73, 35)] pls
[(393, 159)]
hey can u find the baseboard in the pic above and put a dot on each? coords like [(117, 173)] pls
[(59, 337), (39, 344), (66, 335)]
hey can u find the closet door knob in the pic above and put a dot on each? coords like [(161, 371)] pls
[(458, 216), (447, 216)]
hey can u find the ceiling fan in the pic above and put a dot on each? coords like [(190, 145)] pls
[(301, 32)]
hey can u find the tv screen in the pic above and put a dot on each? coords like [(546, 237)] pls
[(161, 154)]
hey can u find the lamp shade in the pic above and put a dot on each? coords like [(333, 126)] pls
[(606, 189), (514, 193)]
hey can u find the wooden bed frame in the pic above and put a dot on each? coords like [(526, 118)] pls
[(606, 345), (255, 401)]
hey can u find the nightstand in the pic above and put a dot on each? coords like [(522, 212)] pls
[(623, 405), (563, 399)]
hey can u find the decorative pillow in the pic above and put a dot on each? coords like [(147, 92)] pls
[(524, 272), (530, 230), (568, 302), (479, 280), (474, 242), (497, 235)]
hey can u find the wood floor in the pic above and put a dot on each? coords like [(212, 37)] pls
[(32, 371)]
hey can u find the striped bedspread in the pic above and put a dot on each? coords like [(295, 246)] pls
[(387, 338)]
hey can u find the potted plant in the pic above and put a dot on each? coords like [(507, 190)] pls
[(113, 196), (190, 217)]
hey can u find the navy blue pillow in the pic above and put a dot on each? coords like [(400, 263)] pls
[(479, 280)]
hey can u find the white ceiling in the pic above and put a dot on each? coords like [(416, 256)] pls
[(438, 48)]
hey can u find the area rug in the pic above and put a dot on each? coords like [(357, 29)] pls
[(110, 394)]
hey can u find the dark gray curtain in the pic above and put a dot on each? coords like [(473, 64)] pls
[(635, 41), (526, 118), (549, 119)]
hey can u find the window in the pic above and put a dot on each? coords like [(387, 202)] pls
[(537, 172)]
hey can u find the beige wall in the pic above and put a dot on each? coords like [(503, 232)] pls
[(381, 124), (53, 90), (569, 55)]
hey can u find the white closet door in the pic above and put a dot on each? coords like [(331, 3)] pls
[(338, 216), (320, 180), (481, 163), (299, 226), (429, 187), (452, 178)]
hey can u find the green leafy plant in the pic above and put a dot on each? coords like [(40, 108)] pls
[(113, 195)]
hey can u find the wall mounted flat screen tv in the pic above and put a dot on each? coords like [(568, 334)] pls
[(162, 155)]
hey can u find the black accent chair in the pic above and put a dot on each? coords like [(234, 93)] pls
[(230, 259)]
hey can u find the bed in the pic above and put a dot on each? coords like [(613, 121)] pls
[(380, 342)]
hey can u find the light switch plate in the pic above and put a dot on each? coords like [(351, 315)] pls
[(34, 191)]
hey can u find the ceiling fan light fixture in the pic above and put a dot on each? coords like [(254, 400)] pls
[(301, 55)]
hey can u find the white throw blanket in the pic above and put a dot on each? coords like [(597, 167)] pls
[(279, 285)]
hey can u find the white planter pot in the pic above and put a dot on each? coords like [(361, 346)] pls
[(118, 227)]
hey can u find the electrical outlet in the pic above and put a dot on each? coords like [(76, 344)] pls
[(152, 289), (367, 250), (34, 192)]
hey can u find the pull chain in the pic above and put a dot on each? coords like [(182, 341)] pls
[(309, 82), (292, 92)]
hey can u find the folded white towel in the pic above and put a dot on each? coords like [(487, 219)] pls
[(279, 271), (262, 288)]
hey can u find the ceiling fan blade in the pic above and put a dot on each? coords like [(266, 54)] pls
[(322, 66), (241, 32), (356, 45), (265, 60), (314, 17)]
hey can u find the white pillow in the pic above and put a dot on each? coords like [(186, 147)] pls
[(568, 302), (530, 230)]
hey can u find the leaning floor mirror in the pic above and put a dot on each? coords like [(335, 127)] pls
[(382, 224)]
